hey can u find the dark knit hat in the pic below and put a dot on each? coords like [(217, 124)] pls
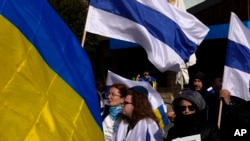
[(201, 76), (141, 89)]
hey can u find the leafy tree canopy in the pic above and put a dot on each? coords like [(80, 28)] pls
[(74, 13)]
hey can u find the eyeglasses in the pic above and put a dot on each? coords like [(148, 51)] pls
[(112, 94), (146, 74), (191, 108), (125, 103)]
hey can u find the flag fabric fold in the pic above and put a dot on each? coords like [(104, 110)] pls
[(144, 130), (236, 77), (168, 34), (154, 97), (47, 87), (182, 77)]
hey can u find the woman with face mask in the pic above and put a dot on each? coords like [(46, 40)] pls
[(191, 119), (115, 98)]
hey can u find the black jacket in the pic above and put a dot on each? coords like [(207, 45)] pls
[(235, 118), (197, 123), (194, 124)]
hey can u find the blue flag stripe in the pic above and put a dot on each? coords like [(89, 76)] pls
[(134, 10), (238, 56), (118, 44), (147, 136), (49, 45), (162, 112)]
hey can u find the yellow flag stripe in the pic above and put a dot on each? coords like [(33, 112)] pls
[(35, 102)]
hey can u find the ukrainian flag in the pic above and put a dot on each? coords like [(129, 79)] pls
[(47, 89)]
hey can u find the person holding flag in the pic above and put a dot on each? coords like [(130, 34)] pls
[(235, 111), (235, 114)]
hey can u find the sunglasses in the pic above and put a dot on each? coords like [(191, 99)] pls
[(183, 108)]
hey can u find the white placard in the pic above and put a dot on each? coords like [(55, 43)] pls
[(189, 138)]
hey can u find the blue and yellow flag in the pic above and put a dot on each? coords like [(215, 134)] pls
[(47, 88)]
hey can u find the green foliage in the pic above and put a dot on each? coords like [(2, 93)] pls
[(74, 13)]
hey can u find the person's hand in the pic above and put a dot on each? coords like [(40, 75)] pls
[(171, 115), (226, 95)]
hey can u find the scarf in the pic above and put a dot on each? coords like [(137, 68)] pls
[(115, 112)]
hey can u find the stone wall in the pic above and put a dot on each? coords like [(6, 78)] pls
[(169, 93)]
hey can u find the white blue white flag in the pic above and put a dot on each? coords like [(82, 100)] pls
[(236, 76), (168, 34), (144, 130), (154, 97)]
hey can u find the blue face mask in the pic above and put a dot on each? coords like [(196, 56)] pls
[(115, 112)]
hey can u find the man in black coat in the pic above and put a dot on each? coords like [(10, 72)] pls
[(235, 120)]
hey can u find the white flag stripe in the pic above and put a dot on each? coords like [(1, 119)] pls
[(154, 96), (237, 82), (238, 32), (137, 34), (184, 20), (168, 45), (236, 77)]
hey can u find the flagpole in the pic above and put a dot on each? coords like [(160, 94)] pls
[(83, 37), (84, 30), (219, 115)]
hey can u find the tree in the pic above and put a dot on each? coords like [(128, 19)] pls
[(74, 13)]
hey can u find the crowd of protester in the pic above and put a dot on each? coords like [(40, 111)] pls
[(198, 113)]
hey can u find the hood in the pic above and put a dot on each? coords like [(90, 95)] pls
[(193, 96)]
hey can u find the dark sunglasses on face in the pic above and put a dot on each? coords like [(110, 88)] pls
[(191, 108)]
